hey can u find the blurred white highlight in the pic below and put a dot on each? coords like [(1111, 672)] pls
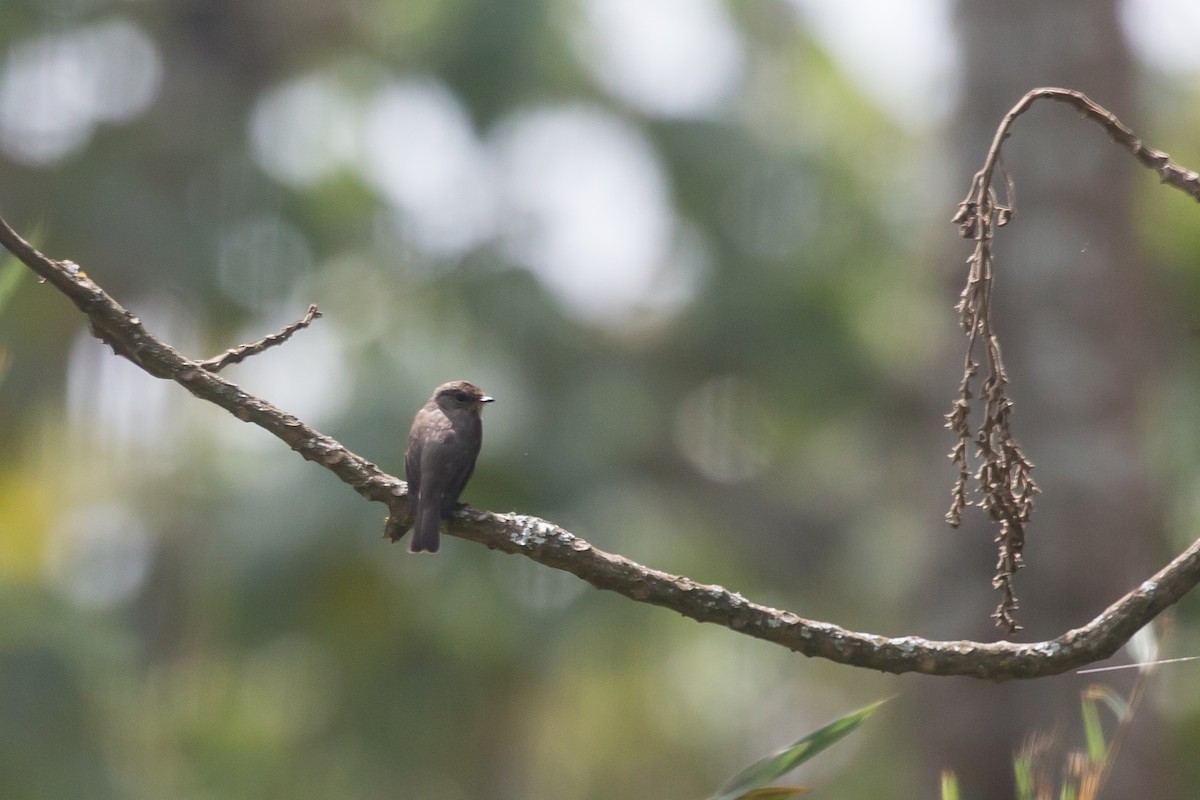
[(55, 89), (674, 58)]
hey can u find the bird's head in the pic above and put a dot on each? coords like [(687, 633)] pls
[(461, 395)]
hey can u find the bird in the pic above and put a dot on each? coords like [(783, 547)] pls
[(439, 458)]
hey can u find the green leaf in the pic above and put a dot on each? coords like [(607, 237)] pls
[(762, 772), (1092, 729), (775, 793), (949, 785), (1023, 774)]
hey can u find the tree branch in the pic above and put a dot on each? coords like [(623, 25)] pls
[(1004, 485), (550, 545), (1170, 173), (125, 334), (236, 355)]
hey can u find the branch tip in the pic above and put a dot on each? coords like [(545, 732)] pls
[(240, 353)]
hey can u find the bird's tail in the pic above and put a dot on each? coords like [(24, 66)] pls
[(425, 530)]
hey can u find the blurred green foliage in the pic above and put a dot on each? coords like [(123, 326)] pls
[(711, 330), (1046, 768)]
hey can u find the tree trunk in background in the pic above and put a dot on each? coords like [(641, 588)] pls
[(1073, 301)]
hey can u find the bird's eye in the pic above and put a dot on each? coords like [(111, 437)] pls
[(461, 397)]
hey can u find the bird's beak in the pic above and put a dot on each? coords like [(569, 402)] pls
[(487, 398)]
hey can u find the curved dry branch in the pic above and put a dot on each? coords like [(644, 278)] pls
[(1003, 482), (554, 547), (1170, 173)]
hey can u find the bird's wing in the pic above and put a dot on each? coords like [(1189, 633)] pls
[(412, 462), (428, 427)]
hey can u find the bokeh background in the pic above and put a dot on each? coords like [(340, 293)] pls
[(700, 253)]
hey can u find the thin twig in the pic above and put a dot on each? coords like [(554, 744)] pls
[(236, 355)]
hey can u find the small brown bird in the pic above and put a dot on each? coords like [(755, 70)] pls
[(440, 456)]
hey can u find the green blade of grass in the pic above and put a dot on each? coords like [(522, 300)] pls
[(762, 772), (775, 793), (1093, 731), (949, 785), (1023, 775)]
